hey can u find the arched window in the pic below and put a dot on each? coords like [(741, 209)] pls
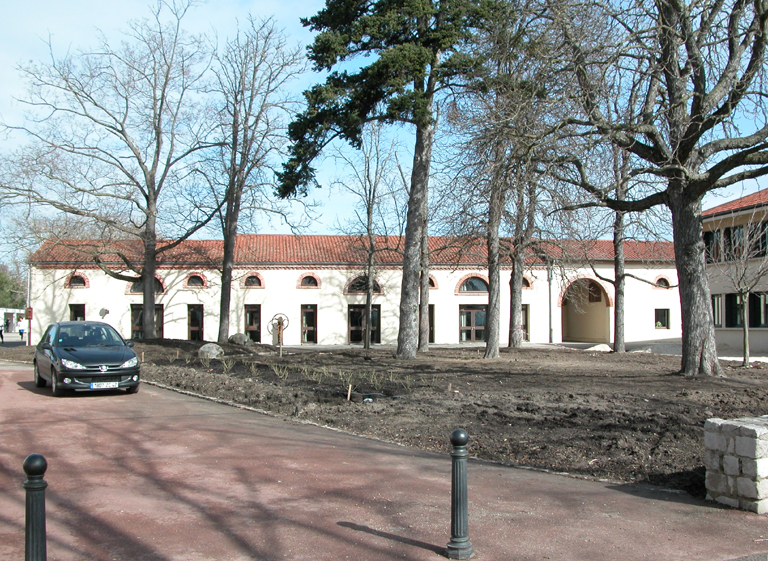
[(474, 284), (138, 287), (308, 280), (526, 283), (195, 281), (253, 281), (77, 281), (662, 283), (359, 285)]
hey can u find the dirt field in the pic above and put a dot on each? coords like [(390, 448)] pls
[(626, 417)]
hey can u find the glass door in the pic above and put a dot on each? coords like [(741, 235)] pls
[(356, 316), (309, 323), (195, 322), (253, 322), (472, 323)]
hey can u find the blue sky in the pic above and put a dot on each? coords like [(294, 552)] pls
[(26, 26)]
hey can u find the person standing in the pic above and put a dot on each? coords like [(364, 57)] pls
[(2, 326), (20, 328)]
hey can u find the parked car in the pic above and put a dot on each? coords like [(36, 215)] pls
[(85, 356)]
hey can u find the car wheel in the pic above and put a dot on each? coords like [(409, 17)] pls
[(132, 389), (39, 380), (56, 389)]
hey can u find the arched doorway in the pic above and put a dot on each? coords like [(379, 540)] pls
[(585, 313)]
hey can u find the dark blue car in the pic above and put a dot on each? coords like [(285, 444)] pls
[(85, 356)]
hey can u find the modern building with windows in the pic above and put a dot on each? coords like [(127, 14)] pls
[(736, 240), (318, 283)]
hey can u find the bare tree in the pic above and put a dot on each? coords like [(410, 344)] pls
[(695, 71), (372, 182), (114, 132), (251, 75), (580, 221), (500, 117)]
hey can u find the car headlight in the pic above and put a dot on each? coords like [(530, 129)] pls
[(130, 363), (71, 364)]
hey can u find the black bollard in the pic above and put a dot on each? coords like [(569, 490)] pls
[(34, 528), (459, 547)]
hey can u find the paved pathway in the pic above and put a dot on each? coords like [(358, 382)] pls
[(164, 476)]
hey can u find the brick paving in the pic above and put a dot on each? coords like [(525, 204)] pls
[(164, 476)]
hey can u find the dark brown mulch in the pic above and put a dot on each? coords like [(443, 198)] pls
[(623, 417)]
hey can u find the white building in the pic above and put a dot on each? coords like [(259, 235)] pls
[(10, 318), (318, 283)]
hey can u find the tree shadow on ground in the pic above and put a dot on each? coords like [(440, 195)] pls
[(394, 537)]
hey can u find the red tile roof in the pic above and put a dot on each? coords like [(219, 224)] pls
[(254, 251), (750, 201), (603, 250)]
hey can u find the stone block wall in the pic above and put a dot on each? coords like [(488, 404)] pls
[(736, 458)]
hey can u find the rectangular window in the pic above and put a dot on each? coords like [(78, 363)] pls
[(137, 317), (309, 322), (758, 313), (195, 322), (712, 241), (524, 326), (356, 315), (431, 323), (717, 309), (755, 241), (77, 312), (733, 243), (472, 323), (662, 318), (733, 316), (253, 322), (762, 243)]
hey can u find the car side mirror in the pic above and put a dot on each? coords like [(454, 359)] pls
[(46, 346), (129, 343)]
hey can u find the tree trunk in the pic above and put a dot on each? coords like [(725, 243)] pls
[(231, 218), (516, 335), (149, 235), (699, 350), (408, 333), (745, 319), (370, 271), (493, 316), (225, 298), (424, 286), (618, 283)]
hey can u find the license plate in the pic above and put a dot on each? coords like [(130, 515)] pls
[(103, 385)]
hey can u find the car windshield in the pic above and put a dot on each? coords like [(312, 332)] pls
[(87, 336)]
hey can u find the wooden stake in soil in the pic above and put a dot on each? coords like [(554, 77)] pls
[(349, 392)]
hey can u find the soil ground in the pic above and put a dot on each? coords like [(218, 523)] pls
[(622, 417)]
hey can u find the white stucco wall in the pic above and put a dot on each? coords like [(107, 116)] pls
[(281, 293)]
